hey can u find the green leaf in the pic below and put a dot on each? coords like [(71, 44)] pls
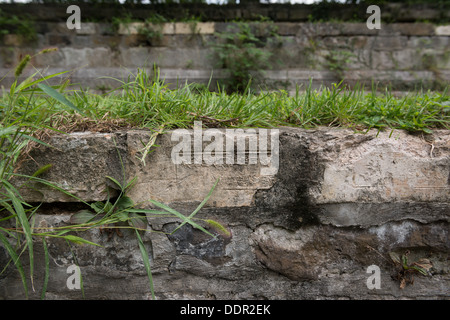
[(82, 217), (124, 202), (423, 266), (23, 220), (146, 261), (121, 215), (199, 206), (42, 170), (137, 221), (405, 261), (220, 228), (26, 83), (98, 207), (130, 184), (15, 259), (47, 268), (146, 211), (58, 96), (421, 270), (426, 130), (8, 131), (116, 183), (79, 240), (395, 257), (181, 216)]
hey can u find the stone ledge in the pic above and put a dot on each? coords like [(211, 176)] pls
[(284, 28), (341, 173), (182, 28), (89, 77)]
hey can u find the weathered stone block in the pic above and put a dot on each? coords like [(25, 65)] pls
[(390, 43), (136, 56), (137, 27), (87, 28), (190, 28), (442, 31), (80, 163), (13, 40), (412, 29), (59, 39)]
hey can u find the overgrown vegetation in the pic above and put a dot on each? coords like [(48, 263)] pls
[(145, 101), (241, 51), (12, 24)]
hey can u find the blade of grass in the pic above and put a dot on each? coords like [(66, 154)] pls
[(26, 84), (58, 96), (15, 257), (146, 261), (198, 207), (23, 220), (181, 216), (47, 268)]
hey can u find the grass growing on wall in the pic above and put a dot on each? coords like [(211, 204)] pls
[(145, 101), (32, 106)]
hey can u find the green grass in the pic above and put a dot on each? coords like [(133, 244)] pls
[(144, 101)]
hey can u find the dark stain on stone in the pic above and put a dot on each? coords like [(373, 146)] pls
[(299, 170)]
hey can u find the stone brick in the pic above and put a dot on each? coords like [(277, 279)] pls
[(13, 40), (173, 58), (442, 31), (54, 59), (59, 39), (190, 28), (87, 28), (134, 27), (390, 43), (287, 28), (357, 28), (94, 161), (413, 29), (135, 56)]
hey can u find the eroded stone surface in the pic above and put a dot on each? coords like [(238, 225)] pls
[(338, 203)]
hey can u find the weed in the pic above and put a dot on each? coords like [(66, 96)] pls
[(17, 25), (407, 270), (152, 28), (337, 62), (242, 53)]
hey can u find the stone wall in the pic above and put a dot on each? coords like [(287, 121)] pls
[(404, 55), (336, 203)]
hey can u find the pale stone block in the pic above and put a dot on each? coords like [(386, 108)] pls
[(443, 30)]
